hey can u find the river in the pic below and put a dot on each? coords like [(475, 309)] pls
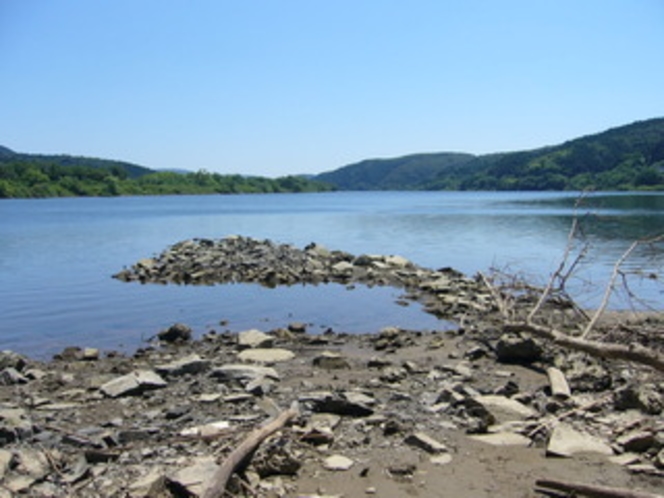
[(57, 257)]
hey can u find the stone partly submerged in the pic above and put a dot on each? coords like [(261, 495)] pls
[(237, 259)]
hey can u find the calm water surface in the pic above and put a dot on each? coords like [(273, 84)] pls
[(57, 257)]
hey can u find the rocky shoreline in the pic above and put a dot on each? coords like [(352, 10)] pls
[(471, 411)]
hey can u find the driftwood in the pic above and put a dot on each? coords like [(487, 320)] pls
[(632, 352), (592, 490), (612, 281), (218, 482)]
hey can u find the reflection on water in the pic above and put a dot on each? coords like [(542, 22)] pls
[(57, 255)]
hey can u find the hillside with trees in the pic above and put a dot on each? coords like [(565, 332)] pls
[(35, 176), (625, 158), (403, 173)]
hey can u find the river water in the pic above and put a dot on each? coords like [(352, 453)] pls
[(57, 257)]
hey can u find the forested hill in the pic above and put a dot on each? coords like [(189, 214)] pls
[(8, 156), (406, 172), (34, 175), (629, 157)]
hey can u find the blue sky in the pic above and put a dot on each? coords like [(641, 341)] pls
[(273, 87)]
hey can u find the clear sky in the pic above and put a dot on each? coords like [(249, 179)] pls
[(274, 87)]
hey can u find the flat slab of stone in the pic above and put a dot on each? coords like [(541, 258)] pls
[(565, 441), (329, 402), (338, 463), (442, 459), (261, 355), (331, 361), (208, 430), (190, 364), (426, 443), (254, 339), (195, 477), (504, 408), (559, 386), (133, 383), (502, 439), (243, 373)]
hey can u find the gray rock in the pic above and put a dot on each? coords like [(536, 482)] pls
[(504, 409), (10, 359), (566, 441), (398, 261), (625, 459), (6, 461), (268, 356), (254, 339), (260, 386), (133, 383), (659, 460), (211, 429), (558, 383), (195, 476), (324, 421), (328, 402), (297, 327), (338, 463), (33, 463), (331, 361), (585, 374), (191, 364), (276, 456), (359, 398), (19, 483), (175, 333), (342, 268), (135, 435), (637, 442), (515, 348), (502, 439), (14, 425), (644, 397), (90, 354), (442, 459), (243, 373), (10, 377), (425, 442)]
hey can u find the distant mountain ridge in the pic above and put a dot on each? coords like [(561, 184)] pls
[(132, 170), (628, 157), (408, 172)]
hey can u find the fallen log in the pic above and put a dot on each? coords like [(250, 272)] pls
[(593, 491), (219, 480), (631, 352)]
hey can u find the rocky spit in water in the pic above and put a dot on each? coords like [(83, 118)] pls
[(469, 411), (444, 292)]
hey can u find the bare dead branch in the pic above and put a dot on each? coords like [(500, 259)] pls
[(592, 490), (610, 287), (632, 352), (218, 482), (558, 273)]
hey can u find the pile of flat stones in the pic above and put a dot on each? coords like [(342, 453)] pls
[(237, 259)]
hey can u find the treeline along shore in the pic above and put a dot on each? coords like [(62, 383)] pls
[(629, 157)]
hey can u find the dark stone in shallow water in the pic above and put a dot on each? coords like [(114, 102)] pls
[(175, 333)]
